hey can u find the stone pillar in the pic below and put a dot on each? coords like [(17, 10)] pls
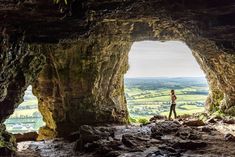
[(83, 83)]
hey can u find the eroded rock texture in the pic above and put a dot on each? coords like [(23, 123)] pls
[(7, 142), (83, 84), (82, 80), (20, 65), (19, 68)]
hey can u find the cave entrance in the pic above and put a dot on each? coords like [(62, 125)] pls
[(26, 117), (154, 69)]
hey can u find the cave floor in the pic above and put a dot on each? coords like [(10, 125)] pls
[(173, 143)]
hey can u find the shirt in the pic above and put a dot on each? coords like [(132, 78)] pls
[(173, 98)]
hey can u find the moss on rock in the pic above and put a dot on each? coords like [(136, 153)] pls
[(7, 142)]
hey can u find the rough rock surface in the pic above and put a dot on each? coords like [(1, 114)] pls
[(84, 49), (172, 138), (29, 136), (229, 137), (77, 88), (20, 65), (90, 134), (164, 127), (194, 122), (136, 141), (7, 142)]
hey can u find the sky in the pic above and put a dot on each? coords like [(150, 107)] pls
[(162, 59)]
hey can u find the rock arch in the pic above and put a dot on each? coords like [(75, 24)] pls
[(81, 81), (88, 74)]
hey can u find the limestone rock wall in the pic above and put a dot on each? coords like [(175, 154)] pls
[(7, 142), (219, 67), (85, 78), (82, 83), (85, 53), (20, 65)]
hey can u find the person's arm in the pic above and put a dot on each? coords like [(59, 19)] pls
[(175, 97)]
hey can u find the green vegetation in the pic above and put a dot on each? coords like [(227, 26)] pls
[(151, 96), (143, 121), (132, 120), (145, 97), (26, 117)]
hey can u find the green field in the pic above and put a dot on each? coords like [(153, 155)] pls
[(26, 117), (145, 97), (150, 96)]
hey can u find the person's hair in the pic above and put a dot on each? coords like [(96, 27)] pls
[(172, 91)]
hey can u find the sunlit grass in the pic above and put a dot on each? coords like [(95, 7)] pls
[(28, 112), (26, 116), (182, 112), (146, 103), (29, 103), (166, 98)]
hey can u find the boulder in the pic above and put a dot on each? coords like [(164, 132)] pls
[(133, 141), (187, 133), (229, 121), (194, 122), (89, 134), (102, 146), (157, 117), (229, 137), (168, 151), (164, 127), (189, 144), (29, 136), (211, 120), (108, 148), (206, 129)]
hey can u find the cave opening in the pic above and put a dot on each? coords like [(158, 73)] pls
[(154, 69), (26, 117)]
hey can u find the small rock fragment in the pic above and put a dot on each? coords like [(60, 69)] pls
[(229, 137), (189, 145), (195, 122), (211, 120), (29, 136)]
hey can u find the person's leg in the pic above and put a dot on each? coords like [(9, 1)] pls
[(170, 113), (174, 111)]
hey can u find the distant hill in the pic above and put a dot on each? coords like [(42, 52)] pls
[(26, 116), (147, 83), (151, 95)]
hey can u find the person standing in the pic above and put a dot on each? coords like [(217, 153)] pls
[(173, 104)]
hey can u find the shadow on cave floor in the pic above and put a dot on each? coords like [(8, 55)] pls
[(182, 137)]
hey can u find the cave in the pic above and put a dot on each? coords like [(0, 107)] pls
[(75, 55)]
